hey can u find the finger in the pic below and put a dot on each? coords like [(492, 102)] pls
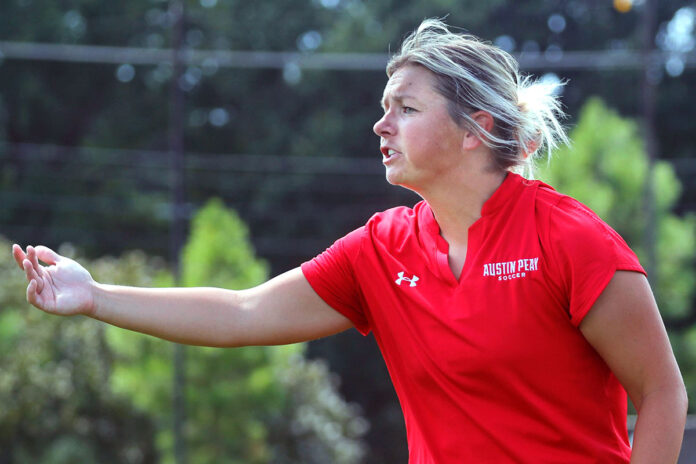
[(47, 255), (33, 295), (31, 254), (33, 275), (19, 255), (38, 269), (31, 292)]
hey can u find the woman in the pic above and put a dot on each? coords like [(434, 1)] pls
[(512, 320)]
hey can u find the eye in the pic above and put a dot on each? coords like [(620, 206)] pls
[(408, 110)]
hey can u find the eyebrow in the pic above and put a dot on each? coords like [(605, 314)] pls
[(399, 98)]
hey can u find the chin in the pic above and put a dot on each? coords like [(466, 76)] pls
[(393, 178), (396, 181)]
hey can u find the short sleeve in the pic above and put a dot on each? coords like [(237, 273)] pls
[(331, 275), (585, 253)]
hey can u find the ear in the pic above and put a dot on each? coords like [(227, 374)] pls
[(531, 147), (485, 121)]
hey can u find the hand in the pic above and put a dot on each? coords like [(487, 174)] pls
[(64, 287)]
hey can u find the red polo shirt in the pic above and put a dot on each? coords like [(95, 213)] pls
[(490, 368)]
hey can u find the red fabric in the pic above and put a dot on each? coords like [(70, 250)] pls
[(491, 368)]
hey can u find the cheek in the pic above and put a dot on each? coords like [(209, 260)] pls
[(448, 137)]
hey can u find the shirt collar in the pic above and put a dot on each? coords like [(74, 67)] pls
[(500, 197), (503, 194)]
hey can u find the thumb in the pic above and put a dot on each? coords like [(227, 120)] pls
[(47, 255)]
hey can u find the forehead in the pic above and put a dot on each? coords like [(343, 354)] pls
[(409, 81)]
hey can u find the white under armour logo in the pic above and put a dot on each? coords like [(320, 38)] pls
[(412, 280)]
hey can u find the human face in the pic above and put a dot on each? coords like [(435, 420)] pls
[(419, 141)]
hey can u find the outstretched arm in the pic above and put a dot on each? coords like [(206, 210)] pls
[(625, 328), (283, 310)]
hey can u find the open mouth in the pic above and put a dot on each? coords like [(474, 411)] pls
[(388, 152)]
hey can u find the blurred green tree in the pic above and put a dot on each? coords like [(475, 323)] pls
[(244, 405), (90, 393), (606, 168), (56, 402)]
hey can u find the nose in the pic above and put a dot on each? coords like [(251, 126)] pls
[(384, 126)]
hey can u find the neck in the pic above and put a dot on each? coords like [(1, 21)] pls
[(456, 206)]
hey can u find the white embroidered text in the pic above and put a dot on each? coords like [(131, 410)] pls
[(509, 270)]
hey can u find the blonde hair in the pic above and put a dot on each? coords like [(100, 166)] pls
[(474, 75)]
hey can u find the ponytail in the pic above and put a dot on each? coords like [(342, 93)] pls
[(540, 127)]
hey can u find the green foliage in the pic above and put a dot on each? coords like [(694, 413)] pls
[(56, 405), (92, 393), (605, 168), (218, 252), (246, 405), (316, 425)]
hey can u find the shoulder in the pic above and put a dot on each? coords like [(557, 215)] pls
[(547, 198), (570, 231), (555, 210), (572, 220), (395, 223), (387, 228), (396, 217), (557, 216)]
